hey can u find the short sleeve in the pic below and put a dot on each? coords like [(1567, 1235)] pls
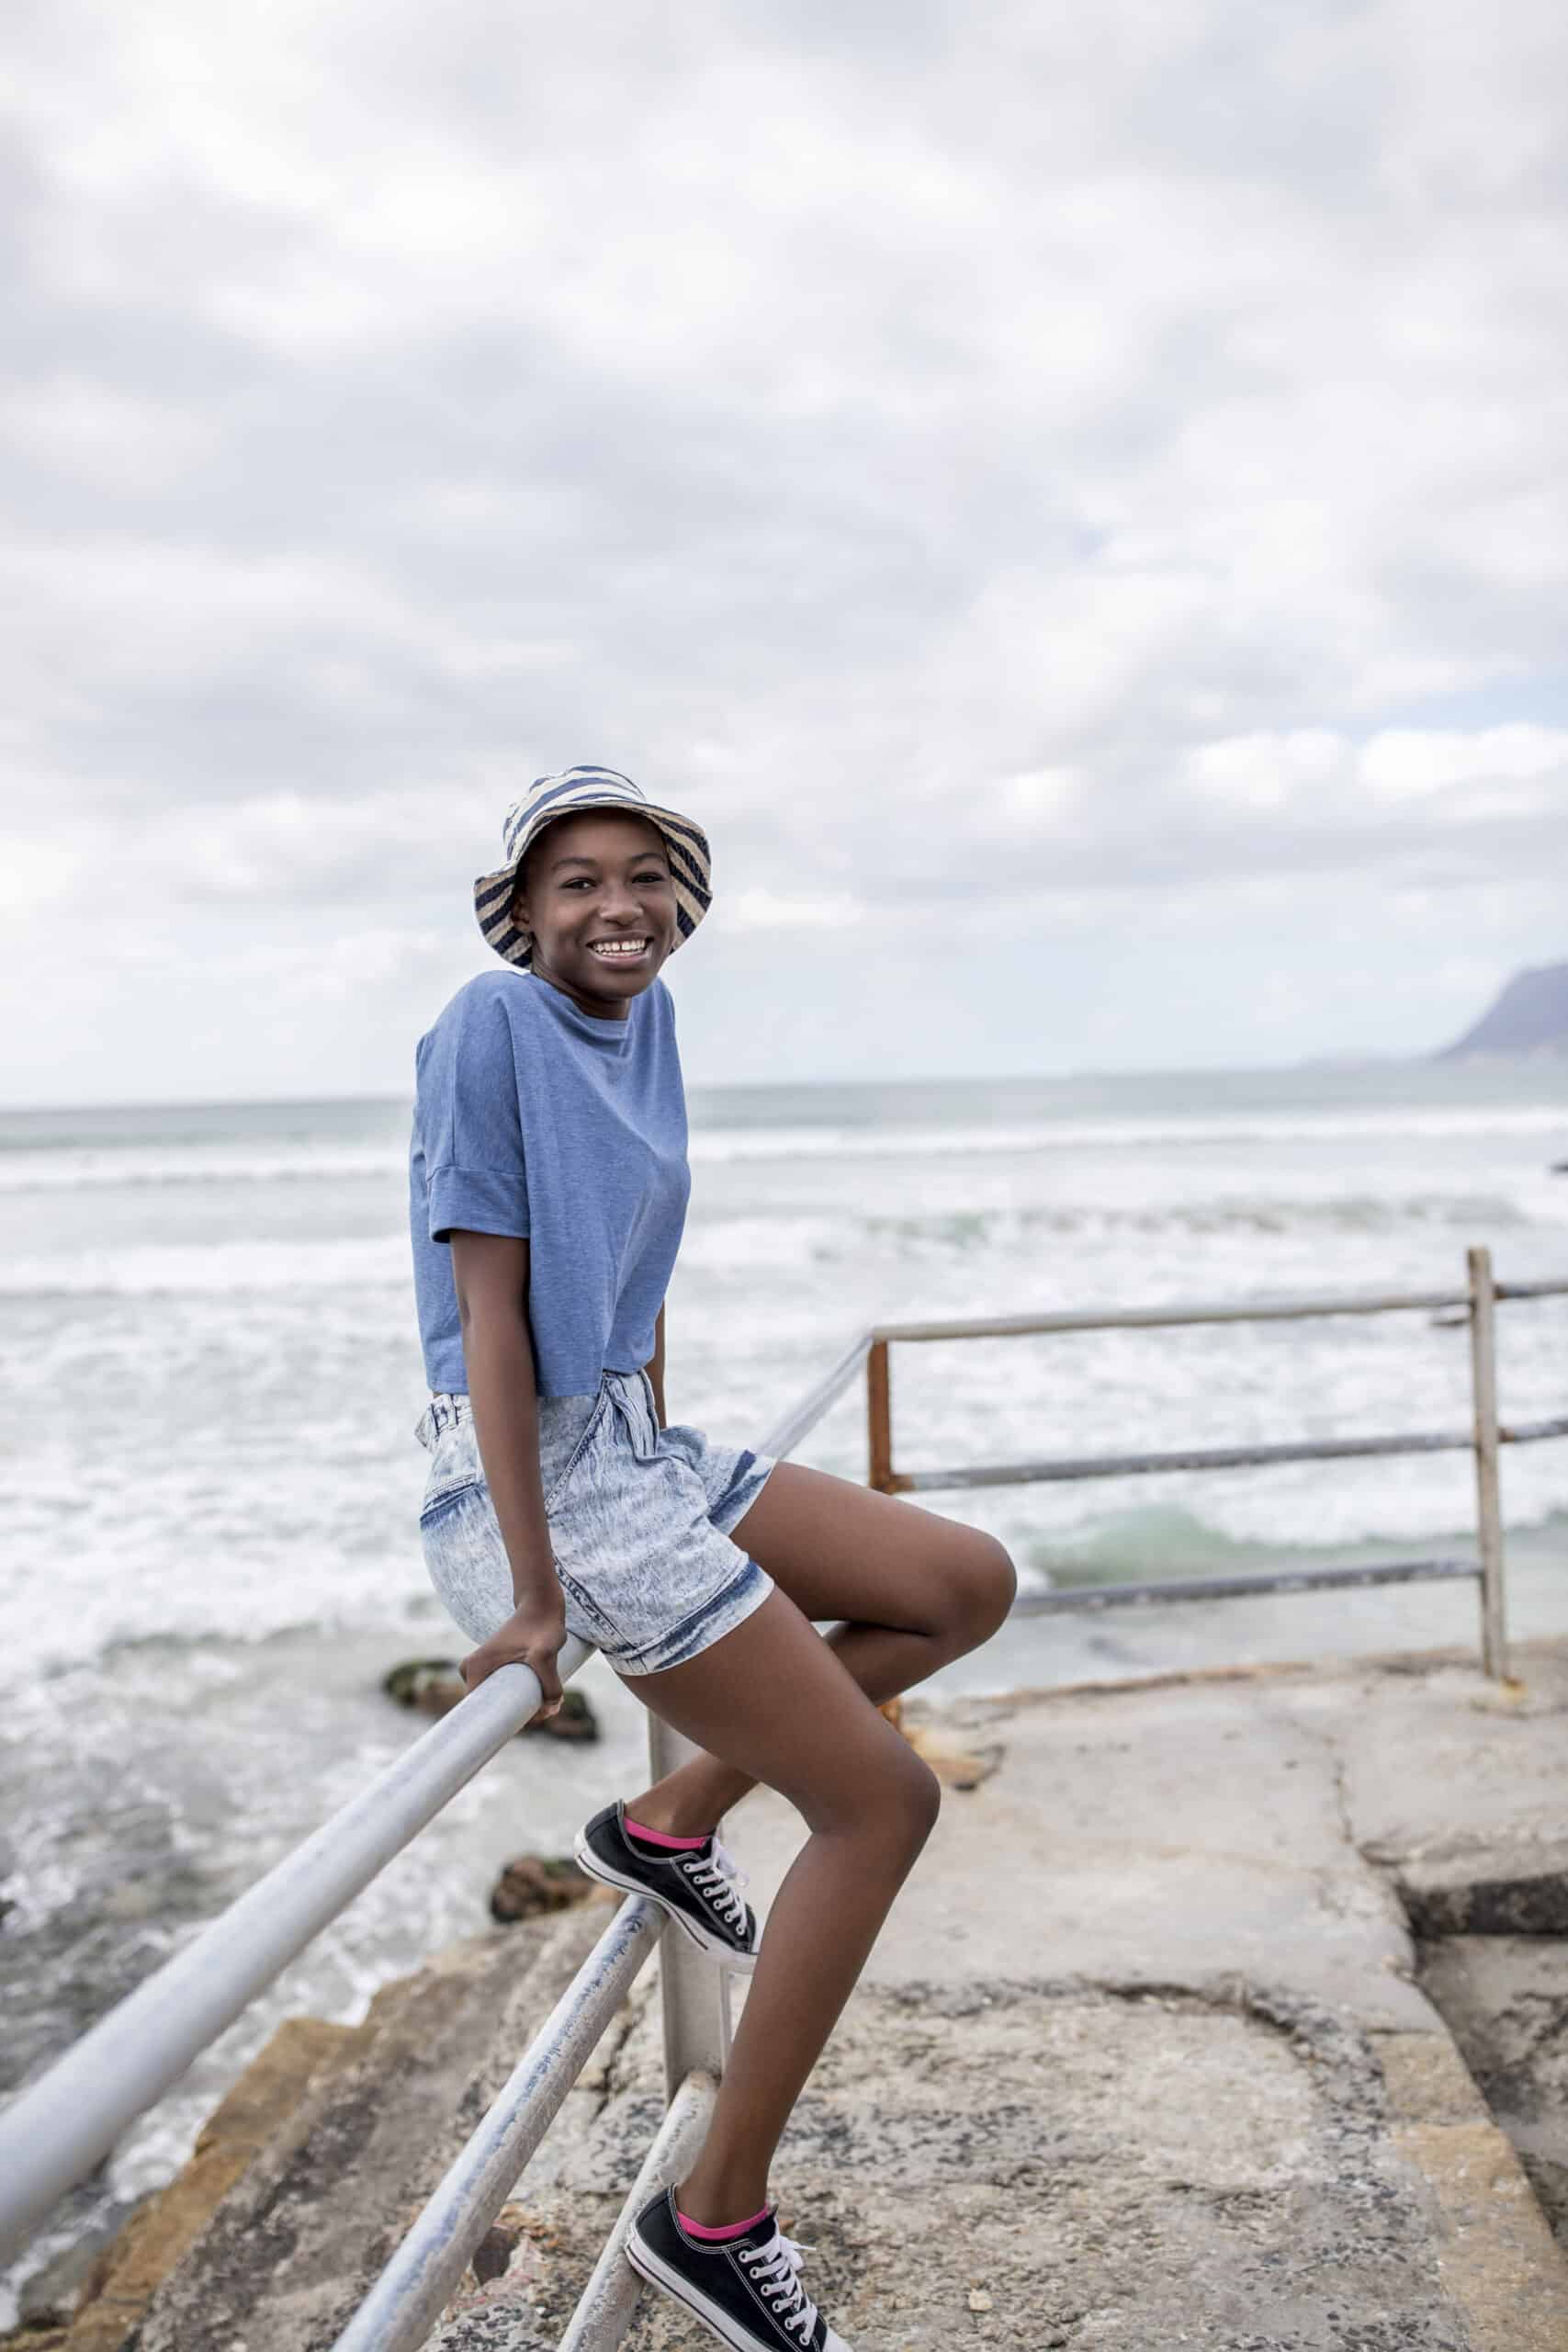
[(470, 1122)]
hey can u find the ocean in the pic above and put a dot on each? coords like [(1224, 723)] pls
[(209, 1484)]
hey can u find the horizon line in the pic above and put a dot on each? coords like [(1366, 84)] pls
[(1320, 1062)]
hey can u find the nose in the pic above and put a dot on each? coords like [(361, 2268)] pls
[(621, 903)]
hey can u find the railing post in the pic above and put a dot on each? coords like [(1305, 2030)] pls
[(694, 1992), (1488, 1497), (879, 1419)]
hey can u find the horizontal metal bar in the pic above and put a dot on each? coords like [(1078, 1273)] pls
[(1202, 1457), (804, 1416), (53, 2132), (1063, 1598), (1208, 1457), (411, 2292), (610, 2296), (1154, 1319), (1531, 1432)]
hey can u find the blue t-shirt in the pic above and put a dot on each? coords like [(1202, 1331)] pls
[(531, 1117)]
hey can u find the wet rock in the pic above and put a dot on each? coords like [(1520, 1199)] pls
[(69, 2277), (294, 2245), (433, 1686), (575, 1720), (163, 2229), (536, 1884)]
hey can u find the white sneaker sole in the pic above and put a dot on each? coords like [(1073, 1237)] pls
[(740, 1963), (651, 2266)]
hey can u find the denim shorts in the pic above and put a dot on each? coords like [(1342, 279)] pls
[(639, 1521)]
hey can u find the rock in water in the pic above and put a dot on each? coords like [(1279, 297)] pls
[(435, 1686), (574, 1720), (536, 1884)]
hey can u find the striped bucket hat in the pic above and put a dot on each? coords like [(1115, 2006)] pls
[(568, 795)]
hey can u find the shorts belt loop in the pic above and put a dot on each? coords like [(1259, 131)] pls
[(442, 1412)]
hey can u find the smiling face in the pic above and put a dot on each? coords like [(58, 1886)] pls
[(597, 894)]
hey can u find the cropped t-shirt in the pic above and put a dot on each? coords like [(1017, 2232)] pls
[(534, 1118)]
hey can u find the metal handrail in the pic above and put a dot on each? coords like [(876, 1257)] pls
[(1243, 1584), (1066, 1467), (419, 2281), (57, 2130), (1155, 1318)]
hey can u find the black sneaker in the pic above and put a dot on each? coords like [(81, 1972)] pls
[(696, 1885), (745, 2290)]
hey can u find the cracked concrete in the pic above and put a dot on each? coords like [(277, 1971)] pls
[(1141, 2060)]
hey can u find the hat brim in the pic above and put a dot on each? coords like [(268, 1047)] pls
[(691, 864)]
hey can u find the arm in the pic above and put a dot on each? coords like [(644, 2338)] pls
[(656, 1369), (489, 1272)]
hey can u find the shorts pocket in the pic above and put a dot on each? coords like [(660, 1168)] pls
[(466, 1559), (591, 1429), (441, 1506)]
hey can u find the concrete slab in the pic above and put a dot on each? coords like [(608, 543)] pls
[(1040, 2166), (1192, 1835), (1140, 2060), (1443, 1765)]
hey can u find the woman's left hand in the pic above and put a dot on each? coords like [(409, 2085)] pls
[(531, 1637)]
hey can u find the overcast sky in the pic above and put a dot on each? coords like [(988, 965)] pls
[(1075, 499)]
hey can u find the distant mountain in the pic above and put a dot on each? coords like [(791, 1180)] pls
[(1529, 1017)]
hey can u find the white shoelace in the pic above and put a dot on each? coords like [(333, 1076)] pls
[(719, 1876), (774, 2267)]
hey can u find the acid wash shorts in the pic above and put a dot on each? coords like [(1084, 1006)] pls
[(639, 1522)]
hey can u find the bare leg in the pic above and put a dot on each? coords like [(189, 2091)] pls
[(775, 1704), (919, 1591)]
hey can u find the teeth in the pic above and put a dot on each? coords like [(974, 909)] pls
[(608, 948)]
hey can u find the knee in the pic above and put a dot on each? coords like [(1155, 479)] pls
[(983, 1590), (916, 1804), (905, 1800)]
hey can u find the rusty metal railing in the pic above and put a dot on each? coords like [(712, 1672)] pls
[(1478, 1303)]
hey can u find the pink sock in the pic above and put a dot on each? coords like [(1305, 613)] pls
[(657, 1837), (730, 2229)]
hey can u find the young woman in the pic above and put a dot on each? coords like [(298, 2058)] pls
[(548, 1186)]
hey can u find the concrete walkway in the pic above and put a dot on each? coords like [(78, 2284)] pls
[(1142, 2062), (1142, 2059)]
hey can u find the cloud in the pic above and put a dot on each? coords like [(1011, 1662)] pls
[(1397, 795), (1098, 455)]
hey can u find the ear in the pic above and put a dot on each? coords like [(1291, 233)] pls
[(517, 908)]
